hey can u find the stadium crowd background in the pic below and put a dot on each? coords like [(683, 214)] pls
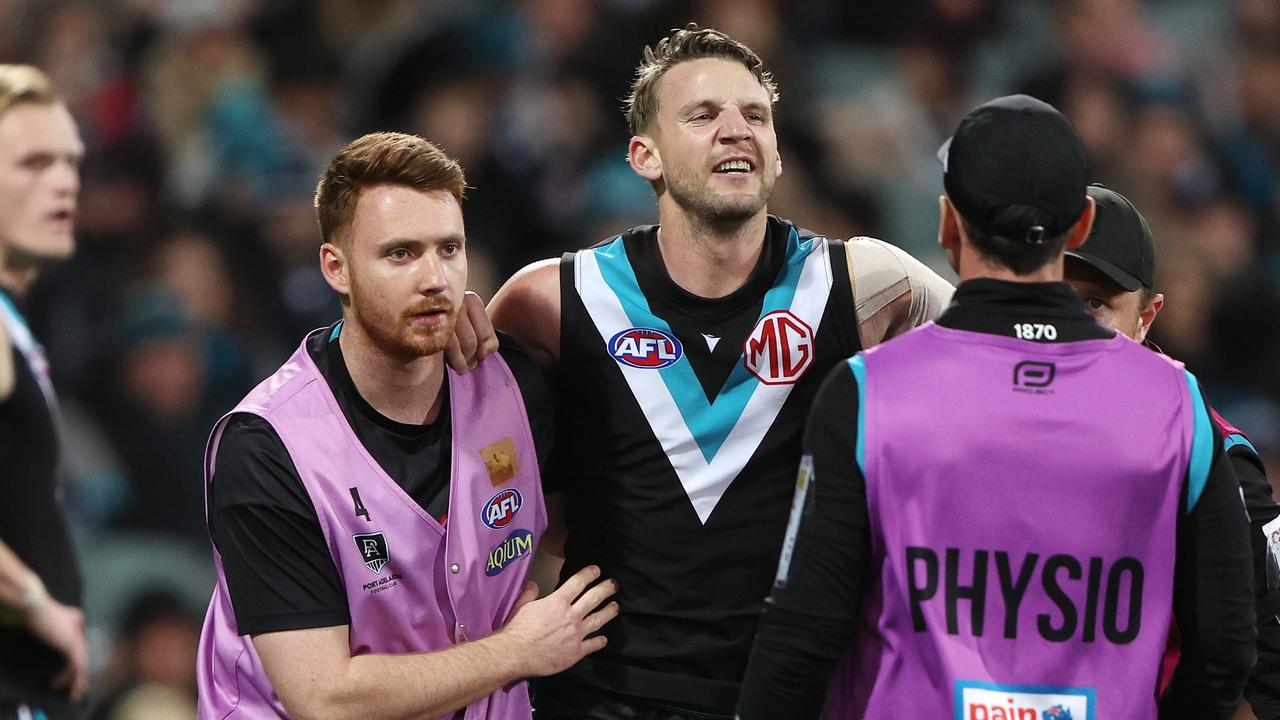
[(207, 123)]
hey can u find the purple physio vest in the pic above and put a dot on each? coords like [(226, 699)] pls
[(1003, 474), (412, 586)]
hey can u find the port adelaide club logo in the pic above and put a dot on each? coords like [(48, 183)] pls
[(373, 550), (645, 348)]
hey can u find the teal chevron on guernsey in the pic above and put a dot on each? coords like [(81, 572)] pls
[(1201, 444), (710, 422), (708, 442)]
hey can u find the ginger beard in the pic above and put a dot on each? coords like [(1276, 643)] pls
[(421, 330)]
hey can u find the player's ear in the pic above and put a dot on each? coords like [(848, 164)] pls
[(948, 224), (644, 158), (1080, 231), (1148, 315), (949, 231), (777, 173), (333, 264)]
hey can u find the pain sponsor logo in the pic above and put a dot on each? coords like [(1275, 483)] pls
[(502, 508), (517, 545), (646, 348), (779, 349), (992, 701)]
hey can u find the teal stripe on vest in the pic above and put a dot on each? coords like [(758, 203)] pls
[(337, 330), (709, 423), (1238, 439), (1201, 445), (859, 368), (13, 310)]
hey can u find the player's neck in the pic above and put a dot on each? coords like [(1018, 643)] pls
[(404, 390), (710, 261), (974, 266), (16, 277)]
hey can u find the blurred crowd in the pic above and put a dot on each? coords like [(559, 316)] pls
[(207, 123)]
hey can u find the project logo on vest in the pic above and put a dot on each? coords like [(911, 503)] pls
[(502, 508), (779, 349), (646, 348), (990, 701)]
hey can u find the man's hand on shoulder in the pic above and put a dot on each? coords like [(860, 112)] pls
[(473, 337)]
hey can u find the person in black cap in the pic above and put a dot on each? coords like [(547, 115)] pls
[(962, 528), (1114, 274)]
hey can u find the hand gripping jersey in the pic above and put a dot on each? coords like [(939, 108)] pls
[(684, 417), (412, 585), (1026, 557)]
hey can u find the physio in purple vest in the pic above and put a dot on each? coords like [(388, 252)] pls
[(374, 514), (1000, 515), (1114, 273)]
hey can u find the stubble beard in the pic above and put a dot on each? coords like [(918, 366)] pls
[(697, 198), (395, 334)]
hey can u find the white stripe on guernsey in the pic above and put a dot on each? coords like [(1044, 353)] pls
[(21, 337), (703, 482)]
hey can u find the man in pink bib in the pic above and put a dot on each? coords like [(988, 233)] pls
[(373, 513)]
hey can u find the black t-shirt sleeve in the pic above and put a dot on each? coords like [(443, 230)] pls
[(1213, 600), (536, 391), (811, 614), (278, 567), (1263, 690)]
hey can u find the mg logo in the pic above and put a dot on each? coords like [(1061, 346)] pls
[(779, 349)]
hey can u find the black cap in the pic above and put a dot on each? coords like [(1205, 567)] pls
[(1120, 244), (1016, 150)]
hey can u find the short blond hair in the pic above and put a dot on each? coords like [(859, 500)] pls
[(381, 158), (20, 84), (688, 43)]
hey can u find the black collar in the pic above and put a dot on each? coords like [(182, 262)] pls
[(1000, 307), (651, 273)]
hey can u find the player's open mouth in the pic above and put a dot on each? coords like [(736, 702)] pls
[(737, 166)]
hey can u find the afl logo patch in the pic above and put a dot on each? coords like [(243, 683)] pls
[(502, 508), (780, 348), (645, 348)]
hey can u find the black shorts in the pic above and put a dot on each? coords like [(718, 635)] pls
[(560, 698)]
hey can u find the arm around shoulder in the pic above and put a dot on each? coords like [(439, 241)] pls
[(528, 308), (315, 676)]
